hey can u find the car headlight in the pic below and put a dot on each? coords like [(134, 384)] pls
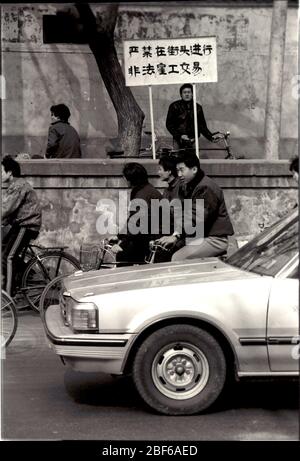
[(79, 316), (83, 317)]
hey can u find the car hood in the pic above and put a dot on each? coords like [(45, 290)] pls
[(153, 275)]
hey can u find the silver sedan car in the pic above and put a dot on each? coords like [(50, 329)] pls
[(182, 329)]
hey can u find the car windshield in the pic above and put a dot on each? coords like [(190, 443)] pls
[(271, 250)]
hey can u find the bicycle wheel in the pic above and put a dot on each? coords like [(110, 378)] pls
[(50, 294), (9, 319), (40, 271)]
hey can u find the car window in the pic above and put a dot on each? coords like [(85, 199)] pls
[(270, 251)]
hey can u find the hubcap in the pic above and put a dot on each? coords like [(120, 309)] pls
[(180, 371)]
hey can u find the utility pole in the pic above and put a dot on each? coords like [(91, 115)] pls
[(274, 94)]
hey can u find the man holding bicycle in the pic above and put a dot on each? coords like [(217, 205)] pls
[(180, 120), (21, 212)]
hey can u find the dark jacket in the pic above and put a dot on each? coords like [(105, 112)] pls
[(20, 205), (172, 190), (146, 192), (216, 219), (63, 141), (180, 120), (171, 193)]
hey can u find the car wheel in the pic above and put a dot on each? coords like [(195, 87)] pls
[(179, 370)]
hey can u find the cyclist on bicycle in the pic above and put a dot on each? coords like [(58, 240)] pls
[(134, 247), (21, 212), (217, 225), (168, 173)]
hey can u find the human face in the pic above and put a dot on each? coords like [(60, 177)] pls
[(186, 174), (6, 175), (187, 94), (163, 174), (54, 118)]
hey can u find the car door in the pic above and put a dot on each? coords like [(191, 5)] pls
[(283, 321)]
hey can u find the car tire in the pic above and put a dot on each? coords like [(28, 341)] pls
[(179, 370)]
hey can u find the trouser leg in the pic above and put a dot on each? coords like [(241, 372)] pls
[(207, 247), (133, 252), (16, 242)]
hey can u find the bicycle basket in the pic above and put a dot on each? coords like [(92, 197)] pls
[(89, 256)]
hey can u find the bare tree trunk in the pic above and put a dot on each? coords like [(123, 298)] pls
[(100, 34)]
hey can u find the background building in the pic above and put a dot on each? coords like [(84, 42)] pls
[(39, 74)]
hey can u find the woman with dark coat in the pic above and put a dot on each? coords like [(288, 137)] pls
[(134, 247)]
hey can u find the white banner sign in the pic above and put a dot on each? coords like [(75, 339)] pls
[(170, 61)]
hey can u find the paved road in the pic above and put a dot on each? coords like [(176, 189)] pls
[(44, 400)]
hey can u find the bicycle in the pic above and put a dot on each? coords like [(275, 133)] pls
[(37, 266), (189, 146), (227, 147), (9, 319)]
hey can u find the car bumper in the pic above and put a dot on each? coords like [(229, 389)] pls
[(86, 352)]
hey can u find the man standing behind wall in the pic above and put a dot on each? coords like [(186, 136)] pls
[(63, 139), (180, 120)]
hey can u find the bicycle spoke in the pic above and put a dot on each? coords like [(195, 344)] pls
[(35, 280)]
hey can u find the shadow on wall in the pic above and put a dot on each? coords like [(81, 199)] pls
[(13, 105), (89, 102)]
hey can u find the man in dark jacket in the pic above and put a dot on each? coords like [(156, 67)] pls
[(217, 225), (21, 211), (134, 247), (63, 139), (180, 120)]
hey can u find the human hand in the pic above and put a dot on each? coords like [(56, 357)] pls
[(167, 240), (185, 137), (116, 249), (216, 137)]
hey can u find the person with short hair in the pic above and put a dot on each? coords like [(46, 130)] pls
[(180, 120), (21, 212), (133, 248), (217, 225), (294, 168), (63, 139), (168, 173)]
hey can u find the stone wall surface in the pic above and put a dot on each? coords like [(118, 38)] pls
[(39, 75), (72, 194)]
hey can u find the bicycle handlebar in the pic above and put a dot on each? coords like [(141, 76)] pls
[(224, 135)]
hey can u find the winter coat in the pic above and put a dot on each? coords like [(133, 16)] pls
[(20, 205), (180, 120), (63, 141)]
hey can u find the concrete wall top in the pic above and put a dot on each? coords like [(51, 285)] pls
[(93, 167)]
